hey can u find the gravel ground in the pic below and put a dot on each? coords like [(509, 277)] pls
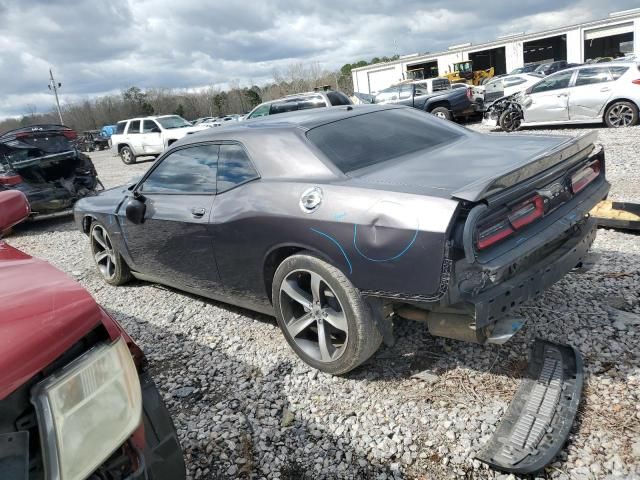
[(246, 407)]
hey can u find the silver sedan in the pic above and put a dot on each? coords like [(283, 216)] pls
[(606, 92)]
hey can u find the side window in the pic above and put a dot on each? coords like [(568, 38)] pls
[(589, 76), (338, 98), (421, 89), (617, 72), (405, 92), (261, 111), (188, 170), (387, 95), (148, 126), (134, 126), (234, 167), (553, 82), (120, 128)]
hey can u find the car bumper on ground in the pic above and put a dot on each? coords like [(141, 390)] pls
[(162, 454)]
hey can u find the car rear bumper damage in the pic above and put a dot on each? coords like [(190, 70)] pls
[(540, 416)]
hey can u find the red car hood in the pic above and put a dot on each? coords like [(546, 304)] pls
[(42, 313)]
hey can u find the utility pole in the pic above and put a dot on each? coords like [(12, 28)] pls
[(55, 86)]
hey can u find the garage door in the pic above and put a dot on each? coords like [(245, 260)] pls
[(608, 31), (381, 79)]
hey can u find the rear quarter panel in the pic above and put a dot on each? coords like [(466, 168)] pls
[(382, 241)]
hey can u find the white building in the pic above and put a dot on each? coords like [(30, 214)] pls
[(612, 36)]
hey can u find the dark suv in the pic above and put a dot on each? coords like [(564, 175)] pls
[(43, 162), (300, 101)]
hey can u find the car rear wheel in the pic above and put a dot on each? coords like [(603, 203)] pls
[(621, 114), (322, 315), (110, 263), (441, 112), (127, 156)]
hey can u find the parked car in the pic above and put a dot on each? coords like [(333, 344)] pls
[(76, 398), (92, 140), (108, 130), (553, 67), (433, 95), (218, 122), (506, 85), (529, 68), (604, 92), (333, 219), (300, 101), (149, 136), (42, 162)]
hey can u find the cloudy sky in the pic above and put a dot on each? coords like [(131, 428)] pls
[(96, 47)]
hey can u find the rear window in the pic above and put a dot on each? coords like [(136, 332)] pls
[(617, 72), (369, 139), (441, 84)]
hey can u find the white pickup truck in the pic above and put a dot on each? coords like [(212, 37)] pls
[(138, 137)]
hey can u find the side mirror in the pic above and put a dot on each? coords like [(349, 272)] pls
[(135, 209), (14, 208), (155, 130)]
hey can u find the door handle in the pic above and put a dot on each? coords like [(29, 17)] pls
[(605, 89), (561, 95), (198, 212)]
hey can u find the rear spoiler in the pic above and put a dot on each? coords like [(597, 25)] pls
[(485, 187)]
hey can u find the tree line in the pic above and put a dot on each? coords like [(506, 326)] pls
[(92, 114)]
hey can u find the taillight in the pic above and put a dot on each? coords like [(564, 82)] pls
[(636, 82), (516, 218), (494, 234), (527, 212), (584, 177), (70, 134), (10, 179), (469, 93)]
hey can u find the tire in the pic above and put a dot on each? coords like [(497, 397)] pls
[(621, 114), (442, 112), (110, 264), (341, 314), (510, 120), (127, 156)]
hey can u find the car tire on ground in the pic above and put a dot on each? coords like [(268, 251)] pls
[(441, 112), (111, 266), (322, 315), (510, 121), (621, 114), (126, 154)]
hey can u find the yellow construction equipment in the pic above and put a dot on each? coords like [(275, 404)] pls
[(462, 72)]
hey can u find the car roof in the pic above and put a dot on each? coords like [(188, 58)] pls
[(298, 119)]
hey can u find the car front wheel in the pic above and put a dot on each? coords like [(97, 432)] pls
[(127, 156), (322, 315), (110, 263), (621, 114)]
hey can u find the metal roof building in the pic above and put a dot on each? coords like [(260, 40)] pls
[(613, 36)]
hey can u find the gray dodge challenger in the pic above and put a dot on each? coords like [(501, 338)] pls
[(335, 220)]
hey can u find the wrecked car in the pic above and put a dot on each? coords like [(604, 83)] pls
[(76, 397), (334, 219), (607, 92), (92, 140), (42, 162)]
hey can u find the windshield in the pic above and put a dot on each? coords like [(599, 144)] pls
[(173, 121), (364, 140)]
